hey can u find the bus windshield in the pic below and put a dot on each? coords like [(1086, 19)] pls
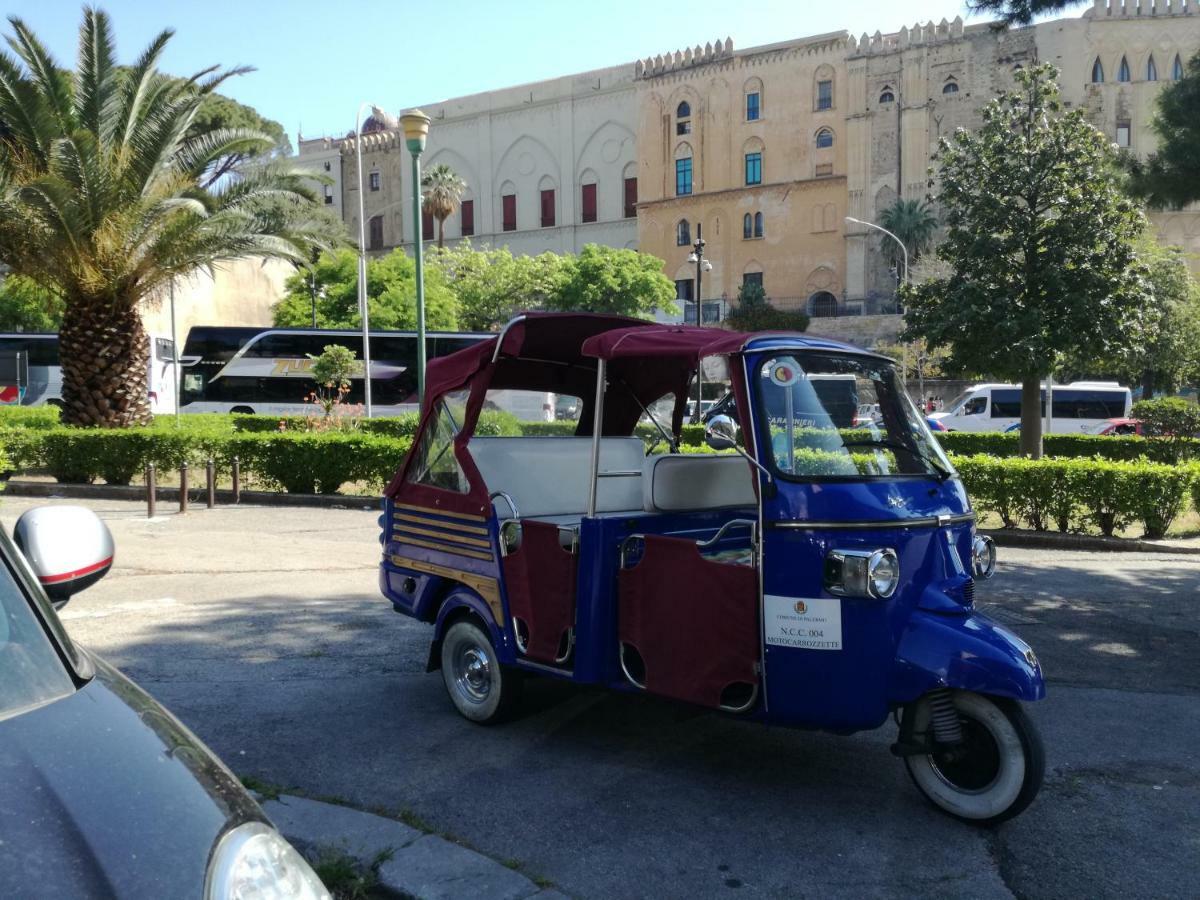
[(807, 403)]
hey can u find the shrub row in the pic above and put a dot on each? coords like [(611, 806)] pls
[(1071, 493), (1124, 447)]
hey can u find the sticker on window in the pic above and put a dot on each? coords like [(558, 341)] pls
[(803, 623)]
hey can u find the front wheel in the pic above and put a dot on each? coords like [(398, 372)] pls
[(993, 773), (479, 687)]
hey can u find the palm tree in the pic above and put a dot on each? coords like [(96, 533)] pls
[(441, 189), (914, 223), (102, 202)]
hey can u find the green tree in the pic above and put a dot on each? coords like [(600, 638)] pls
[(26, 306), (441, 189), (754, 312), (218, 113), (391, 294), (609, 280), (1019, 12), (332, 371), (914, 223), (1040, 244), (1170, 177), (1165, 353), (492, 285), (103, 202)]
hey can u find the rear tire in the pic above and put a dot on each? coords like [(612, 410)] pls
[(997, 770), (479, 687)]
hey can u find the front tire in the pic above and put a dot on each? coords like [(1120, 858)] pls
[(479, 687), (993, 774)]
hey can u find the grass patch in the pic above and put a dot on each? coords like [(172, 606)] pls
[(344, 876)]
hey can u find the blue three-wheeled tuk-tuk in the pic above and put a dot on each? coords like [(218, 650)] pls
[(817, 570)]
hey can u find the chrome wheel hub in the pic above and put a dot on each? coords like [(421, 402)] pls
[(473, 673)]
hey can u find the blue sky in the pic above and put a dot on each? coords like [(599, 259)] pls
[(318, 59)]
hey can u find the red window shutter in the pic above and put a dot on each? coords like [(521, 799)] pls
[(630, 198), (548, 208), (468, 217), (589, 203), (426, 225), (509, 202)]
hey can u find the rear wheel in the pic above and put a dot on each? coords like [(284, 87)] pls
[(993, 773), (479, 687), (242, 411)]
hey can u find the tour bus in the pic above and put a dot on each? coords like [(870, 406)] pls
[(268, 370), (1075, 408), (44, 384)]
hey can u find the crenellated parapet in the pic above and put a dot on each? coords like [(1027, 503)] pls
[(917, 36), (683, 59), (1115, 9)]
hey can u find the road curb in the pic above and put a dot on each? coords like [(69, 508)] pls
[(1050, 540), (410, 863), (196, 495)]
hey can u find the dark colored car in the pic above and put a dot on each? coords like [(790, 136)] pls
[(103, 793)]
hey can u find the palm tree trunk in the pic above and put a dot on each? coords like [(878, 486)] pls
[(105, 358), (441, 234)]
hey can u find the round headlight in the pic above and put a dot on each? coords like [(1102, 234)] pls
[(883, 573), (983, 557), (254, 862)]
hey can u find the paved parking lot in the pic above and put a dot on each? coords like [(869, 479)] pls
[(264, 631)]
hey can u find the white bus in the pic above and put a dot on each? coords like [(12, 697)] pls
[(267, 370), (1074, 408), (44, 385)]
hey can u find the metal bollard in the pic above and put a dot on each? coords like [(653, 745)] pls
[(183, 487), (237, 481), (151, 491), (211, 472)]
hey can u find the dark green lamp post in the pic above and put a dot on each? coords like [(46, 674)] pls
[(416, 128)]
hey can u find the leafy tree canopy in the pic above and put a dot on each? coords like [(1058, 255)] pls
[(914, 223), (610, 280), (391, 295), (1170, 177), (754, 312), (1019, 12), (26, 306), (1041, 246)]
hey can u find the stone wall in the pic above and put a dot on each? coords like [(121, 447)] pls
[(238, 293)]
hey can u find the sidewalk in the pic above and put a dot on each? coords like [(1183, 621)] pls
[(409, 862)]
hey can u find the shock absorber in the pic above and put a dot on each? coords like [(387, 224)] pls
[(943, 717)]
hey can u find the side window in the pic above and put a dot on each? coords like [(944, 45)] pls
[(504, 410), (1006, 404), (975, 406), (435, 463)]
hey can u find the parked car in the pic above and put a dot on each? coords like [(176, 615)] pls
[(566, 408), (105, 793), (866, 414), (1119, 426)]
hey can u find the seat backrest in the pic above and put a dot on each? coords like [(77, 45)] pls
[(550, 476), (678, 483)]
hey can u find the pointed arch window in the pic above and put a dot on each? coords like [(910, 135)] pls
[(1177, 69), (1123, 70), (950, 87), (758, 224), (824, 138), (683, 118), (886, 96), (1151, 69), (1097, 72), (747, 226), (683, 233)]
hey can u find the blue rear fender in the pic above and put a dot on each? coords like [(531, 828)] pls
[(969, 652), (462, 600)]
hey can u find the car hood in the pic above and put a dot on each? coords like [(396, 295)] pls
[(105, 794)]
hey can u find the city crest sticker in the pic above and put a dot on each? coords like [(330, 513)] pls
[(803, 623)]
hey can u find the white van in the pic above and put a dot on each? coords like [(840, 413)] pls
[(1075, 408)]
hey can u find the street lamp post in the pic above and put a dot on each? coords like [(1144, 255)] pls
[(416, 129), (388, 122), (696, 258), (903, 249)]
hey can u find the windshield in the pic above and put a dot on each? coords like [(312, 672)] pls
[(810, 402), (31, 672)]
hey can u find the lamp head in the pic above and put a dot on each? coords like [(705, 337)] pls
[(416, 128), (693, 258), (707, 266)]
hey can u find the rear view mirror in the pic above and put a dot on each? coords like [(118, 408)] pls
[(721, 433), (68, 548)]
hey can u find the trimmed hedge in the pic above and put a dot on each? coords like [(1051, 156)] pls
[(317, 462), (29, 417), (1071, 493), (1117, 447)]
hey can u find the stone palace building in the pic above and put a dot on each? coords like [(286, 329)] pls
[(767, 149)]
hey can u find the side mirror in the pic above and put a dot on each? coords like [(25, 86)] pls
[(721, 433), (68, 548)]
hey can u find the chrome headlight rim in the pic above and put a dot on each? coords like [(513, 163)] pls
[(878, 560), (983, 557), (854, 572), (241, 843)]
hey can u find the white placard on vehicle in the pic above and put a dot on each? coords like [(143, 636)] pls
[(803, 623)]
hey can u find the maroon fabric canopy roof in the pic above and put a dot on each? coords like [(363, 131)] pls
[(652, 341)]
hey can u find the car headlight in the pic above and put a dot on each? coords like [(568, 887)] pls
[(254, 862), (862, 573), (983, 557)]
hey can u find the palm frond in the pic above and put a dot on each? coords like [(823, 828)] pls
[(52, 83), (197, 153), (138, 86), (23, 111), (95, 88)]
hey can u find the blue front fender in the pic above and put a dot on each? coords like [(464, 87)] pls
[(969, 652)]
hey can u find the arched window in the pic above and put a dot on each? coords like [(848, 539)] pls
[(950, 87), (886, 96), (683, 110), (824, 138), (683, 118), (822, 305), (747, 226), (1151, 69), (1097, 72), (683, 233), (1123, 70), (758, 224), (1177, 69), (753, 91)]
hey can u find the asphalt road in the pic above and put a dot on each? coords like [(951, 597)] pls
[(264, 631)]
